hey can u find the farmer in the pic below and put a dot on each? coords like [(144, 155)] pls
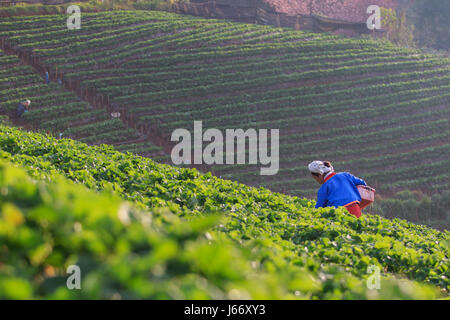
[(338, 189), (23, 107)]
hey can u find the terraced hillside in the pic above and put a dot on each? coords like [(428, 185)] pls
[(372, 108), (59, 111), (187, 235)]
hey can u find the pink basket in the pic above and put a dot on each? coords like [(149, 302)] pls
[(367, 195)]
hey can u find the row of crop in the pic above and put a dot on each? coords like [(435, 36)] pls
[(166, 71), (281, 37), (352, 135), (434, 181), (58, 112), (94, 128), (232, 53), (79, 42), (15, 81), (11, 24), (335, 103), (35, 89), (376, 162), (196, 91), (90, 28), (250, 213), (259, 48), (7, 61), (187, 248), (284, 120), (147, 31), (41, 24), (15, 70), (232, 29), (144, 147), (408, 178), (21, 80), (223, 39), (426, 133), (294, 36), (376, 166), (38, 115), (352, 132), (115, 53), (422, 133), (204, 76), (31, 230), (74, 45), (275, 97), (414, 106), (143, 49), (387, 101), (51, 30), (247, 63), (252, 112), (266, 49), (63, 122), (56, 28), (40, 99), (115, 134), (184, 29)]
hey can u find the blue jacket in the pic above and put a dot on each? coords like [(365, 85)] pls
[(20, 110), (339, 190)]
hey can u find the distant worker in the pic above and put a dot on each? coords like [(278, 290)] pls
[(23, 107), (338, 189), (47, 80)]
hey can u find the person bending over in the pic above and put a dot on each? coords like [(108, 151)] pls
[(22, 108), (338, 189)]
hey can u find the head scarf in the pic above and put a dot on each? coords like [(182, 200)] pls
[(319, 167), (27, 101)]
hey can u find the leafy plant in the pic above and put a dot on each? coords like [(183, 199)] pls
[(299, 251)]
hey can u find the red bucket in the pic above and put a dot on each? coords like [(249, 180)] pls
[(367, 195)]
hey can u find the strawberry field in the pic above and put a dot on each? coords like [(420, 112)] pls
[(83, 195), (370, 106), (186, 235), (59, 111)]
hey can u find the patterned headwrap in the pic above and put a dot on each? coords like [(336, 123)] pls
[(319, 167)]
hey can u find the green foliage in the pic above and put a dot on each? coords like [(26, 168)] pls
[(23, 9), (264, 244), (206, 237), (170, 70), (122, 252), (4, 120), (58, 111), (416, 207), (398, 31)]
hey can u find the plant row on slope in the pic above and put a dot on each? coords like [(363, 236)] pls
[(287, 226)]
